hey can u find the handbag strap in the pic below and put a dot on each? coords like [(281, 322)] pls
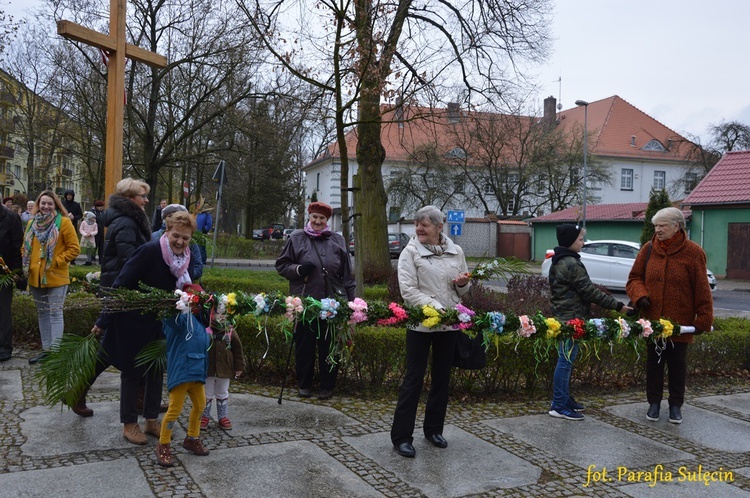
[(322, 266)]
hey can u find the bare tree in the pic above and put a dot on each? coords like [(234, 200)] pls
[(729, 136), (378, 50)]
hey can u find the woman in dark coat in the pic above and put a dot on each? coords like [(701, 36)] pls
[(129, 332), (301, 265)]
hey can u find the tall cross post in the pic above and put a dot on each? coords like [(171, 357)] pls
[(118, 49)]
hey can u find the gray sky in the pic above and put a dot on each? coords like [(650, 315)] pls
[(681, 61)]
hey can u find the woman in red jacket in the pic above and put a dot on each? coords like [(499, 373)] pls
[(668, 280)]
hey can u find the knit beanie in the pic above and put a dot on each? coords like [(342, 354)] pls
[(567, 234)]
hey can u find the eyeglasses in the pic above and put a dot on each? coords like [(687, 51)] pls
[(142, 196)]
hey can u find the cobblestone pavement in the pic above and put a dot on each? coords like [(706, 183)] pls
[(341, 447)]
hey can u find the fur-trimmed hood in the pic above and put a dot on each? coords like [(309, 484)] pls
[(122, 206)]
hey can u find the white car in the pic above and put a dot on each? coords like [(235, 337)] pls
[(608, 262)]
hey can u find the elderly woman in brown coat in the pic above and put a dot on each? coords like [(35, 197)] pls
[(668, 280)]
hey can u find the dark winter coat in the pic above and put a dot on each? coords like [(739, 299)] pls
[(674, 280), (571, 289), (126, 333), (223, 361), (334, 252), (127, 228), (73, 207), (11, 238), (187, 350)]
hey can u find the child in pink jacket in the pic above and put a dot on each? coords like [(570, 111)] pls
[(88, 230)]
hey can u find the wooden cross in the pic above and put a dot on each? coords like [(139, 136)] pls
[(118, 51)]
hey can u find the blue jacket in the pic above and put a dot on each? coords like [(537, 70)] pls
[(204, 221), (187, 350)]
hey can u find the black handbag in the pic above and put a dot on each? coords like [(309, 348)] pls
[(469, 353), (334, 286)]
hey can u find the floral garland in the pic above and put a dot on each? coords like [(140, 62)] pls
[(339, 318)]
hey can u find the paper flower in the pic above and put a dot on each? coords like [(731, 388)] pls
[(646, 327), (261, 303), (553, 327), (624, 328), (359, 308), (527, 328), (433, 316), (293, 307), (497, 321), (328, 308), (579, 328), (667, 328), (399, 315)]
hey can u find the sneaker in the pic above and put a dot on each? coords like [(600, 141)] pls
[(164, 455), (566, 413), (304, 392), (325, 394), (653, 412), (194, 446), (204, 422), (132, 432), (225, 423), (574, 405), (675, 415)]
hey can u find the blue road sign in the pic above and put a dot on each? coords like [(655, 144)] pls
[(455, 229), (455, 217)]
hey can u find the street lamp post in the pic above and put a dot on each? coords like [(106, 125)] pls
[(585, 153)]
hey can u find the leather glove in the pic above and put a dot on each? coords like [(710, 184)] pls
[(305, 269), (642, 303), (697, 331), (22, 284)]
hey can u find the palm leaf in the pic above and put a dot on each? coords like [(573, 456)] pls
[(68, 368), (153, 356)]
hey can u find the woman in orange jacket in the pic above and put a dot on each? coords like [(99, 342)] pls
[(50, 244)]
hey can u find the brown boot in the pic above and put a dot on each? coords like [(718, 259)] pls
[(194, 446), (164, 455), (132, 432), (152, 427), (80, 407)]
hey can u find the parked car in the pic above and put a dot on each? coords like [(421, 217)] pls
[(396, 243), (608, 262), (287, 232), (258, 234)]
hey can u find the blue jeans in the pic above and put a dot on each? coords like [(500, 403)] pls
[(567, 351), (49, 307)]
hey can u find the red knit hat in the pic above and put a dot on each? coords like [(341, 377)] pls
[(320, 208)]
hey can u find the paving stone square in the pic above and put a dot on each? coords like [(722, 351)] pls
[(10, 383)]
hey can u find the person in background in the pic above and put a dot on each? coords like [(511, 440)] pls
[(198, 264), (50, 244), (11, 238), (300, 263), (432, 271), (8, 202), (88, 230), (668, 280), (28, 214), (157, 218), (163, 264), (205, 222), (75, 213), (98, 211), (571, 295)]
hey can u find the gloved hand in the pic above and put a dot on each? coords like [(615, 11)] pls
[(22, 284), (642, 303), (697, 331), (305, 269)]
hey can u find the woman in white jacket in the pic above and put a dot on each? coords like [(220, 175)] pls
[(431, 271)]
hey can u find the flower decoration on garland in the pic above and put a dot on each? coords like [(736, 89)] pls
[(465, 317), (399, 315), (293, 307), (624, 328), (328, 308), (645, 327), (433, 316), (553, 327), (579, 328), (359, 311), (527, 328)]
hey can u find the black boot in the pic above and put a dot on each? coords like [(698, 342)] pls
[(675, 415), (653, 412)]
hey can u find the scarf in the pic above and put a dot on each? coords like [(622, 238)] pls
[(177, 263), (326, 232), (46, 228), (676, 239), (439, 248)]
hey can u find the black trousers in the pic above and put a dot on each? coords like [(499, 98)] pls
[(130, 385), (674, 357), (307, 336), (418, 346), (6, 320)]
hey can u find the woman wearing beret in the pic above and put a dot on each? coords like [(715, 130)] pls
[(572, 293), (305, 254), (668, 280)]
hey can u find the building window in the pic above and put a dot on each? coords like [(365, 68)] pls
[(511, 205), (488, 188), (626, 179), (655, 145), (457, 153), (660, 180), (691, 180)]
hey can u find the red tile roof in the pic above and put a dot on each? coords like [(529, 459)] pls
[(632, 211), (613, 124), (728, 182)]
